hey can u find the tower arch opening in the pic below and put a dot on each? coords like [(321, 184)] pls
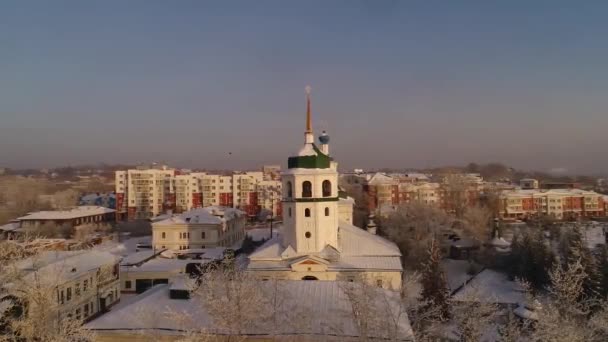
[(306, 189), (326, 188)]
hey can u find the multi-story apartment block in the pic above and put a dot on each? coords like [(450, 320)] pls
[(557, 203), (85, 283), (387, 191), (146, 193), (199, 228)]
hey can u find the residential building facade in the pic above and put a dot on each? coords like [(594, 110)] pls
[(561, 204), (146, 193), (88, 282), (199, 228)]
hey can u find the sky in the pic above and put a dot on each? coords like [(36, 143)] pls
[(220, 84)]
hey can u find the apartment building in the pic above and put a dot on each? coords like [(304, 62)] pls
[(388, 191), (557, 203), (85, 283), (146, 193), (199, 228)]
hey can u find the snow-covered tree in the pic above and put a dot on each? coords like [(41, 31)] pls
[(434, 285)]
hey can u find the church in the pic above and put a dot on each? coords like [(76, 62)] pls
[(318, 240)]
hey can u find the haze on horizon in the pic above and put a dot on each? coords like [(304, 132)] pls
[(396, 84)]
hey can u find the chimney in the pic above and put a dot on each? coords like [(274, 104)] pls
[(371, 225)]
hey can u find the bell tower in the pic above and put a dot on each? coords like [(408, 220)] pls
[(310, 195)]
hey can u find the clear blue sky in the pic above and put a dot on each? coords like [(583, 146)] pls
[(396, 83)]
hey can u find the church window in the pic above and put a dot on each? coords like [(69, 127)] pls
[(306, 189), (289, 190), (307, 235), (307, 212), (326, 185), (326, 211)]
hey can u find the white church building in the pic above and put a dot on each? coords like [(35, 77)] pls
[(318, 240)]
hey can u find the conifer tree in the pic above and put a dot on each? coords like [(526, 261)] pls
[(573, 249), (434, 285), (603, 271)]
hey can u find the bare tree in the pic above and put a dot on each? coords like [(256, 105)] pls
[(456, 193), (473, 316), (411, 226), (65, 199), (477, 222)]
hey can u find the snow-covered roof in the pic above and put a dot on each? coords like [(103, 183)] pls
[(322, 309), (139, 257), (207, 215), (549, 192), (81, 211), (456, 272), (307, 150), (67, 264), (161, 265), (10, 227), (380, 178), (491, 286), (357, 249), (354, 241)]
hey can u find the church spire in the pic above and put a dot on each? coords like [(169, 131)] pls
[(308, 136), (308, 116)]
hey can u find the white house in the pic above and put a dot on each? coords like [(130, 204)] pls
[(199, 228)]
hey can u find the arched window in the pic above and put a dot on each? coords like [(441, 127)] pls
[(306, 189), (289, 212), (307, 212), (289, 190), (326, 185), (326, 211)]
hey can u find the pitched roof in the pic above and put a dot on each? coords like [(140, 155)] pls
[(354, 241), (322, 309), (81, 211), (380, 178), (358, 249), (207, 215)]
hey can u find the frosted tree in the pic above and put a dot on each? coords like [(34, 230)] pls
[(434, 285), (29, 299), (411, 226)]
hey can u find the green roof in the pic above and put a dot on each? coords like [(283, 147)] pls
[(319, 161)]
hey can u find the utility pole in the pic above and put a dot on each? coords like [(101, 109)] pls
[(271, 210)]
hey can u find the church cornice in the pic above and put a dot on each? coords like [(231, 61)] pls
[(305, 200)]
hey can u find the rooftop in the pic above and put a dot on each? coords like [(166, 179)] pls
[(67, 264), (207, 215), (77, 212), (491, 286), (321, 308), (358, 249)]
